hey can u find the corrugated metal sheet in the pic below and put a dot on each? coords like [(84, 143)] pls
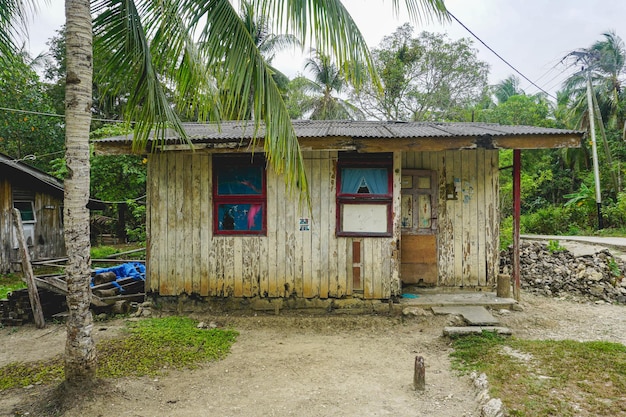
[(237, 130)]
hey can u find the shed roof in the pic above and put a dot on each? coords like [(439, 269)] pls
[(366, 136), (26, 175)]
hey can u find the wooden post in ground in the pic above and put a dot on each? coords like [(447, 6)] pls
[(27, 269), (419, 376)]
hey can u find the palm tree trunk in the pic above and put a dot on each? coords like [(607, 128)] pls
[(80, 351)]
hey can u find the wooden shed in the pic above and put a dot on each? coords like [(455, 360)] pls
[(39, 197), (392, 204)]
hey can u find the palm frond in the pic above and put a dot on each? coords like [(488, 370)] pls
[(13, 20)]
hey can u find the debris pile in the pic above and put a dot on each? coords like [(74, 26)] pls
[(558, 273), (15, 310)]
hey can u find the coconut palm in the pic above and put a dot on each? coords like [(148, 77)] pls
[(325, 90), (507, 88), (605, 61), (151, 43), (604, 65)]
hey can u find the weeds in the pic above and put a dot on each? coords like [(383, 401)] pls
[(150, 347), (10, 282), (565, 378)]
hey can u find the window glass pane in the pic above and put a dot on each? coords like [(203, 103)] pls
[(423, 182), (364, 218), (26, 210), (425, 212), (364, 181), (407, 211), (240, 180), (240, 216), (407, 181)]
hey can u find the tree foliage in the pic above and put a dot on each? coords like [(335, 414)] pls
[(26, 133), (425, 78)]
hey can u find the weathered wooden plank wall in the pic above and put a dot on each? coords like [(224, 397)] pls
[(48, 237), (185, 257), (5, 226), (49, 241), (468, 234)]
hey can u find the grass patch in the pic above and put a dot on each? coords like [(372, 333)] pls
[(548, 377), (150, 347), (10, 282), (101, 252)]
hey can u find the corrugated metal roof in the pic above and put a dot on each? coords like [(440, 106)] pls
[(32, 172), (237, 130)]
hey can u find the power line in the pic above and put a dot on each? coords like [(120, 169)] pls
[(38, 113), (498, 55)]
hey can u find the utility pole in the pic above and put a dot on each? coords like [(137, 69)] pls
[(594, 149)]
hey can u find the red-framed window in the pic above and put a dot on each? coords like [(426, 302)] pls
[(364, 194), (239, 195)]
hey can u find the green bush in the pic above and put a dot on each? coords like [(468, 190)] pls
[(557, 220), (614, 214)]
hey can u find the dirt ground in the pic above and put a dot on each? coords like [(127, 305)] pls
[(308, 365)]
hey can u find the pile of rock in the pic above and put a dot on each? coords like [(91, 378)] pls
[(559, 273)]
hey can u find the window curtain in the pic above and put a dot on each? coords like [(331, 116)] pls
[(376, 180)]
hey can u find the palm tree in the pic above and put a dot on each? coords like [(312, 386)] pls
[(325, 88), (603, 65), (152, 41), (605, 61), (507, 88)]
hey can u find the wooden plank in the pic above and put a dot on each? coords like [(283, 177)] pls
[(238, 267), (229, 266), (493, 216), (369, 257), (337, 287), (466, 225), (473, 230), (186, 240), (446, 222), (178, 227), (272, 231), (249, 264), (27, 269), (324, 199), (157, 170), (317, 226), (281, 238), (482, 204), (206, 227), (419, 248), (166, 284), (457, 226), (196, 223), (394, 273), (307, 238), (219, 290), (291, 231)]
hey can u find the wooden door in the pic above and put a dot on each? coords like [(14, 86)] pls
[(419, 225)]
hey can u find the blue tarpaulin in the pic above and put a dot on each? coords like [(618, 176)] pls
[(134, 270)]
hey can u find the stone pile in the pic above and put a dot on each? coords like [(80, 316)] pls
[(558, 273)]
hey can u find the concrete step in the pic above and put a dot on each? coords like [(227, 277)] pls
[(473, 315), (467, 330)]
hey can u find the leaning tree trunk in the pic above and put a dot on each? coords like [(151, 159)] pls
[(80, 351)]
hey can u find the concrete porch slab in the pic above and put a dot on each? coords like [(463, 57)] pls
[(485, 299), (473, 315)]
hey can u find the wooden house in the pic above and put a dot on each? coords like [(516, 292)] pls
[(39, 197), (392, 204)]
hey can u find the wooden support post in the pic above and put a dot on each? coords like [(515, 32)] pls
[(27, 269), (419, 376), (517, 166), (503, 288)]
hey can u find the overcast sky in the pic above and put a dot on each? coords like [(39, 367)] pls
[(532, 35)]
